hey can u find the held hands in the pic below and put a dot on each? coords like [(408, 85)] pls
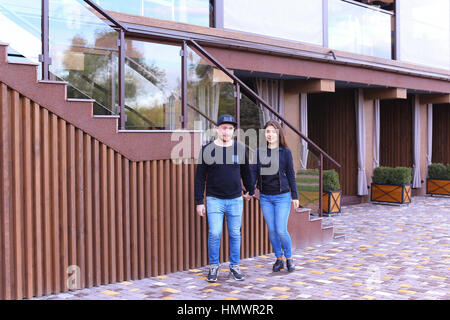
[(246, 196), (201, 210), (295, 203)]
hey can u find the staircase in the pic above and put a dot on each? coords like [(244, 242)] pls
[(306, 230), (22, 76)]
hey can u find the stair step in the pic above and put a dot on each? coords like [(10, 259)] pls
[(53, 82), (25, 63), (79, 100), (100, 116)]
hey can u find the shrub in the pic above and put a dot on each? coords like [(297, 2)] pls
[(437, 171), (387, 175), (381, 175), (401, 175), (331, 180)]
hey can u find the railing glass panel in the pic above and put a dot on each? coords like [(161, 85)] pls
[(152, 86), (306, 166), (359, 29), (210, 92), (82, 48), (20, 27), (188, 11)]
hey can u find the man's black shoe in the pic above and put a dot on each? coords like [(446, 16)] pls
[(290, 265), (213, 273), (278, 265), (235, 271)]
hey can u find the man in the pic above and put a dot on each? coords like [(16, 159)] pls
[(221, 164)]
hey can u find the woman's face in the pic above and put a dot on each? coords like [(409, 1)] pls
[(271, 135)]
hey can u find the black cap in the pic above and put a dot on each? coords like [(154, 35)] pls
[(226, 118)]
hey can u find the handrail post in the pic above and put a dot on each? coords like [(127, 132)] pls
[(320, 183), (184, 112), (122, 114), (238, 109), (44, 57)]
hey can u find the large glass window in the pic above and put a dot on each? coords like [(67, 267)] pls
[(188, 11), (359, 29), (424, 32), (299, 20)]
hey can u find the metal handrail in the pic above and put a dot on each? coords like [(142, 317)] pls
[(106, 15), (262, 101)]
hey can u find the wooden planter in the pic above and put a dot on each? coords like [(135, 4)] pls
[(391, 193), (438, 187), (331, 201)]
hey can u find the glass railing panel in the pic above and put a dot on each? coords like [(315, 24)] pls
[(20, 27), (196, 12), (359, 29), (152, 86), (211, 92), (252, 115), (306, 166), (82, 48)]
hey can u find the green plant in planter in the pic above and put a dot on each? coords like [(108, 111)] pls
[(387, 175), (381, 175), (331, 180), (391, 185), (438, 171), (401, 175)]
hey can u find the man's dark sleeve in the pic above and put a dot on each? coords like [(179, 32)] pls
[(291, 175), (199, 181), (247, 176)]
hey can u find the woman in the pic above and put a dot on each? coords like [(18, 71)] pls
[(275, 179)]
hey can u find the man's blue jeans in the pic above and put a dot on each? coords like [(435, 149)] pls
[(232, 208), (276, 209)]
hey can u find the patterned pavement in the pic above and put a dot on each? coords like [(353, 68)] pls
[(389, 252)]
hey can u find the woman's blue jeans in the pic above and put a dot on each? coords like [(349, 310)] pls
[(275, 209), (232, 208)]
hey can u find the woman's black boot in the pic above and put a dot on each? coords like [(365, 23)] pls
[(290, 265), (278, 265)]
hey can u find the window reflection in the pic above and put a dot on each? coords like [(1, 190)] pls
[(358, 29), (152, 86), (188, 11)]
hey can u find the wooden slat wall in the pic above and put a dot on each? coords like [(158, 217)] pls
[(396, 132), (332, 126), (441, 133), (67, 200)]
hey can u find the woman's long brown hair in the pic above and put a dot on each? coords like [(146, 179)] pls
[(281, 134)]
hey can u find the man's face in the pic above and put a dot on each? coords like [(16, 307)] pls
[(225, 131)]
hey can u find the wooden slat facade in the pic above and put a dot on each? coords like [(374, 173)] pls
[(441, 133), (396, 132), (332, 126), (69, 200)]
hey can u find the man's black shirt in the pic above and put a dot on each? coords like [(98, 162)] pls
[(222, 169)]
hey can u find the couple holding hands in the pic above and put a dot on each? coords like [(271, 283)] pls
[(221, 165)]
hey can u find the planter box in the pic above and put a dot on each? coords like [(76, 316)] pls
[(438, 187), (331, 201), (391, 193)]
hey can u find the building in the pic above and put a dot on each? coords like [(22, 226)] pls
[(94, 92)]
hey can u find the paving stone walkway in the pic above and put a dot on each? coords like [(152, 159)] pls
[(388, 252)]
